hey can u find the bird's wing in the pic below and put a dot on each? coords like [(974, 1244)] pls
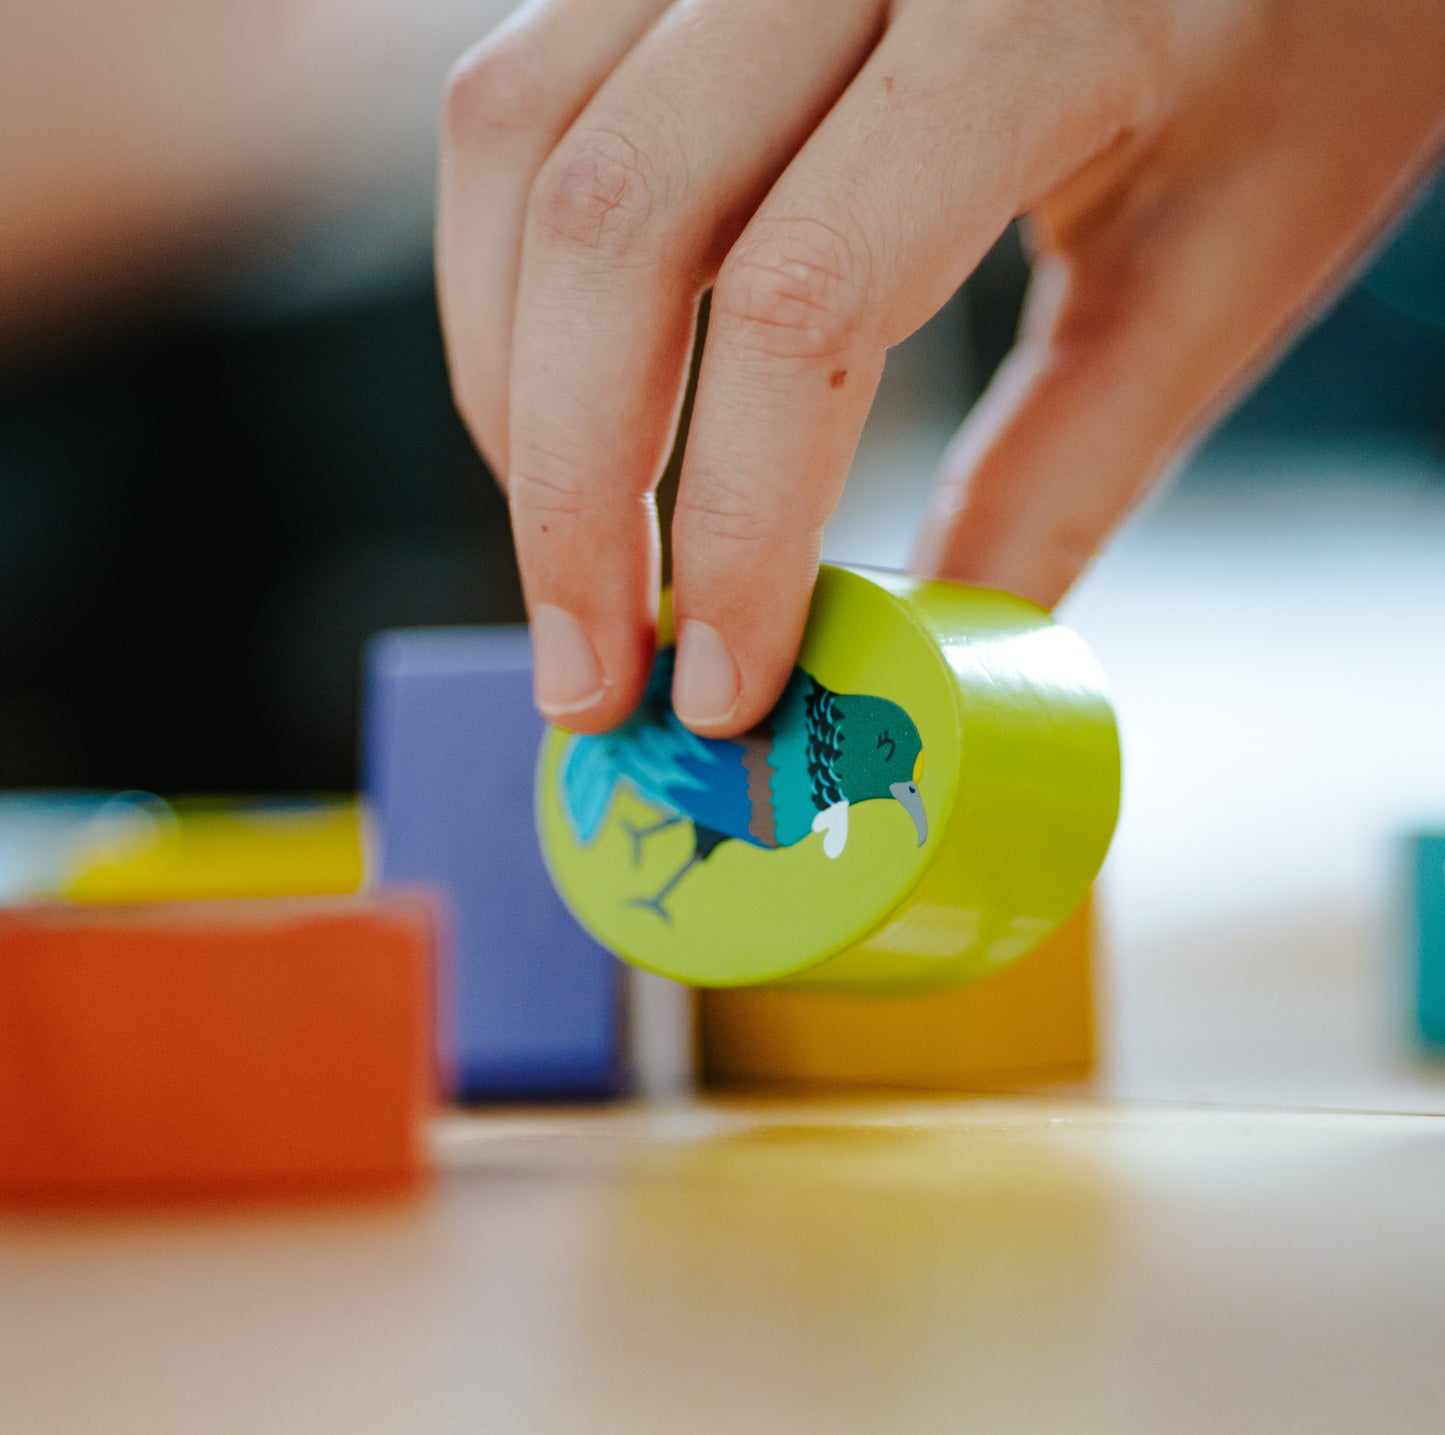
[(662, 759), (652, 752), (710, 785), (668, 765), (651, 755)]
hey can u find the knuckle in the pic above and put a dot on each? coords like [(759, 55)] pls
[(720, 513), (597, 193), (795, 290), (536, 493), (492, 92)]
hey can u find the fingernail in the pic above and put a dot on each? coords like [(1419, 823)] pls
[(705, 685), (567, 675)]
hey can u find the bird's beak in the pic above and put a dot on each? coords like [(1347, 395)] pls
[(907, 795)]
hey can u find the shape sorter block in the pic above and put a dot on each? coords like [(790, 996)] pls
[(215, 1048), (451, 740), (1428, 851), (1031, 1021)]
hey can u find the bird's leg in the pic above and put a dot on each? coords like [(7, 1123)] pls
[(654, 903), (639, 834), (705, 841)]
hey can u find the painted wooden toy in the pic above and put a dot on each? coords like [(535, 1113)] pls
[(1033, 1023), (932, 795), (148, 850), (1427, 854), (451, 735), (215, 1049)]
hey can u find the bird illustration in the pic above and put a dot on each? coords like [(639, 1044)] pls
[(817, 754)]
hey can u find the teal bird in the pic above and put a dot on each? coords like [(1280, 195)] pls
[(818, 753)]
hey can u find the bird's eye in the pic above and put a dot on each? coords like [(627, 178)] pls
[(885, 741)]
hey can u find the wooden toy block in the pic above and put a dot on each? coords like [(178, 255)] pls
[(1032, 1018), (1428, 850), (451, 739), (39, 834), (215, 1048), (213, 849), (931, 795)]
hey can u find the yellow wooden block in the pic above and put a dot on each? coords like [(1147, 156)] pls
[(1035, 1016), (214, 850)]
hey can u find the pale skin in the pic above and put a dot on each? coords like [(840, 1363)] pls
[(1197, 176)]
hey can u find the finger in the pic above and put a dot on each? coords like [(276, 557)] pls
[(627, 222), (1156, 302), (509, 100), (1072, 430), (886, 209)]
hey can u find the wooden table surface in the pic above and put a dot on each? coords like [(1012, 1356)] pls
[(896, 1266)]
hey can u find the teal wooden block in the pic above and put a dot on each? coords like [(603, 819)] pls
[(1429, 934)]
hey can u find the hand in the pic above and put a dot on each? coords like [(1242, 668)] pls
[(1198, 174)]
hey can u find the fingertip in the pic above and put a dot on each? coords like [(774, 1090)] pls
[(706, 686), (600, 717), (574, 687), (722, 686), (741, 609)]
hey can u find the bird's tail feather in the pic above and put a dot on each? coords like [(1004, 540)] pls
[(645, 752), (590, 777)]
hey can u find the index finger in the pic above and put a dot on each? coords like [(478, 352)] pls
[(625, 226)]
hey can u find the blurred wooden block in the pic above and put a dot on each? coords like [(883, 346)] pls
[(215, 1048), (217, 849), (1428, 921), (1033, 1018), (450, 751)]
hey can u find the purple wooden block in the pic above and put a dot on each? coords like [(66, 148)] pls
[(450, 744)]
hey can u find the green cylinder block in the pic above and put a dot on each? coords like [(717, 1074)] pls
[(933, 794)]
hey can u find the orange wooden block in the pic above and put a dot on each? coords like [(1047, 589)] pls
[(1032, 1020), (215, 1048)]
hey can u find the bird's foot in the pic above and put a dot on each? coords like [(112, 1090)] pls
[(653, 904), (638, 835)]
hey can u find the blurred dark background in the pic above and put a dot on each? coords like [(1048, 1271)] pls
[(201, 522), (205, 512)]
